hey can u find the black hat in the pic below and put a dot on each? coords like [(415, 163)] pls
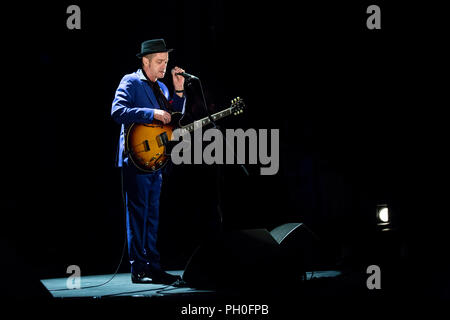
[(152, 46)]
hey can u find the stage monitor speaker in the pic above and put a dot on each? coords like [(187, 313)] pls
[(243, 258), (301, 245)]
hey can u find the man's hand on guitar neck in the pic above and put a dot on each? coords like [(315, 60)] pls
[(162, 116)]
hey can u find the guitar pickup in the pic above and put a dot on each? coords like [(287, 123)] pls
[(162, 139), (146, 146)]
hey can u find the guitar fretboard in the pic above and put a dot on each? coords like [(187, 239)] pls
[(205, 121)]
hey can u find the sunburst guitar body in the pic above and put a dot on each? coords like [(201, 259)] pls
[(146, 143)]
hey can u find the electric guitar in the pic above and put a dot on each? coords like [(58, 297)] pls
[(145, 143)]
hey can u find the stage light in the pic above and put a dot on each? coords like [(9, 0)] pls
[(383, 214), (384, 217)]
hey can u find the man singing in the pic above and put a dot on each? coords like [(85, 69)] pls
[(141, 98)]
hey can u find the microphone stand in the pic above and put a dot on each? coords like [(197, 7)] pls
[(189, 77)]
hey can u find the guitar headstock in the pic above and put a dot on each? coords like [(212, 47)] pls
[(237, 106)]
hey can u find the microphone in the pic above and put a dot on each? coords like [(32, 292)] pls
[(186, 75)]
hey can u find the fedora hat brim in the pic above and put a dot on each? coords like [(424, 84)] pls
[(142, 54)]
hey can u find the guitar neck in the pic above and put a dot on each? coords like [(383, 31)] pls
[(205, 121)]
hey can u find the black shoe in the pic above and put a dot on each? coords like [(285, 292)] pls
[(141, 277), (165, 278), (161, 277)]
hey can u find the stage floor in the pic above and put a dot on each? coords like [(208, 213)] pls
[(324, 293), (121, 286)]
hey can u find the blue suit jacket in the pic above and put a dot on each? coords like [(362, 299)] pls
[(135, 102)]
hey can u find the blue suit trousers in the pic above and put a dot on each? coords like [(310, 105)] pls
[(142, 192)]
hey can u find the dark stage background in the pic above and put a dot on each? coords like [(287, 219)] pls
[(359, 113)]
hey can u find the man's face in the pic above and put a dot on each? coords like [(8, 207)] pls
[(156, 65)]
